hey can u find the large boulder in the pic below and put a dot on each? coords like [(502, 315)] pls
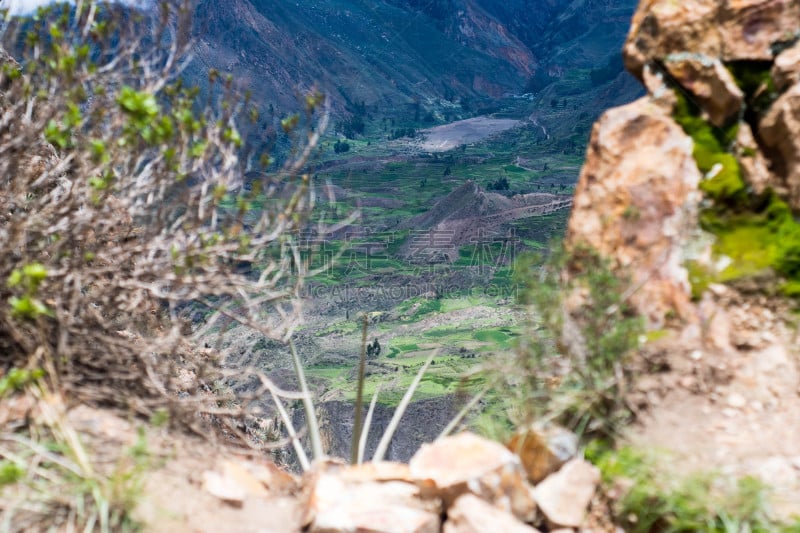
[(711, 84), (663, 27), (636, 203), (753, 30), (731, 30), (780, 134), (468, 464)]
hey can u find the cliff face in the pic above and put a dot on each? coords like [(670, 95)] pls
[(693, 193), (712, 150)]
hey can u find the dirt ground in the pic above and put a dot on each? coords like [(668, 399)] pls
[(731, 405), (472, 130)]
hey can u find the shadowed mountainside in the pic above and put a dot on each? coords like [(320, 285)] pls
[(392, 52)]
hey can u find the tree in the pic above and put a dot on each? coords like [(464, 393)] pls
[(374, 349), (500, 184), (353, 126)]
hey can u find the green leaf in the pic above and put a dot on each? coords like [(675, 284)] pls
[(15, 278), (199, 149), (140, 104), (35, 272)]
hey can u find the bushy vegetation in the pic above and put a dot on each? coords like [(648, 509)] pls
[(341, 146), (574, 365), (123, 198), (500, 184)]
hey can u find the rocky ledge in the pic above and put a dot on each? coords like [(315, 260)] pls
[(459, 484)]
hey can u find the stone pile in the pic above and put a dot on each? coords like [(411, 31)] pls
[(459, 484)]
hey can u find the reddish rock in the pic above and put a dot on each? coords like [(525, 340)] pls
[(543, 451), (780, 132), (466, 463), (786, 70), (750, 29), (636, 204), (711, 84), (730, 30), (755, 168), (663, 27), (564, 497), (470, 514)]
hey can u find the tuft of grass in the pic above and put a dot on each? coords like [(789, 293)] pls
[(49, 480), (723, 181), (649, 497), (570, 368)]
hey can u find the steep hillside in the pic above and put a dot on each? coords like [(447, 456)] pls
[(391, 52), (380, 53)]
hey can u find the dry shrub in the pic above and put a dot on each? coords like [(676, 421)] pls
[(123, 198)]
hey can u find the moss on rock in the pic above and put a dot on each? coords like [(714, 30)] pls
[(756, 232)]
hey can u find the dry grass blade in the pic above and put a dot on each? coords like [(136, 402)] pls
[(308, 403), (383, 445), (362, 364), (287, 420), (362, 442)]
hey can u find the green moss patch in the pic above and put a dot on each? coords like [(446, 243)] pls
[(723, 181), (757, 232)]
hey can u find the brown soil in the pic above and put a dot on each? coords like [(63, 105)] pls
[(469, 213), (730, 403), (472, 130)]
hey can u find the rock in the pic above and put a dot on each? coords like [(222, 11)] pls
[(382, 471), (780, 133), (564, 497), (755, 169), (237, 473), (636, 202), (224, 488), (786, 69), (466, 463), (658, 89), (236, 480), (663, 27), (274, 478), (338, 505), (15, 409), (543, 451), (101, 425), (736, 400), (733, 30), (470, 514), (712, 85), (750, 29)]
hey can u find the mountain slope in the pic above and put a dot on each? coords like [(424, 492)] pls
[(391, 52), (376, 52)]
